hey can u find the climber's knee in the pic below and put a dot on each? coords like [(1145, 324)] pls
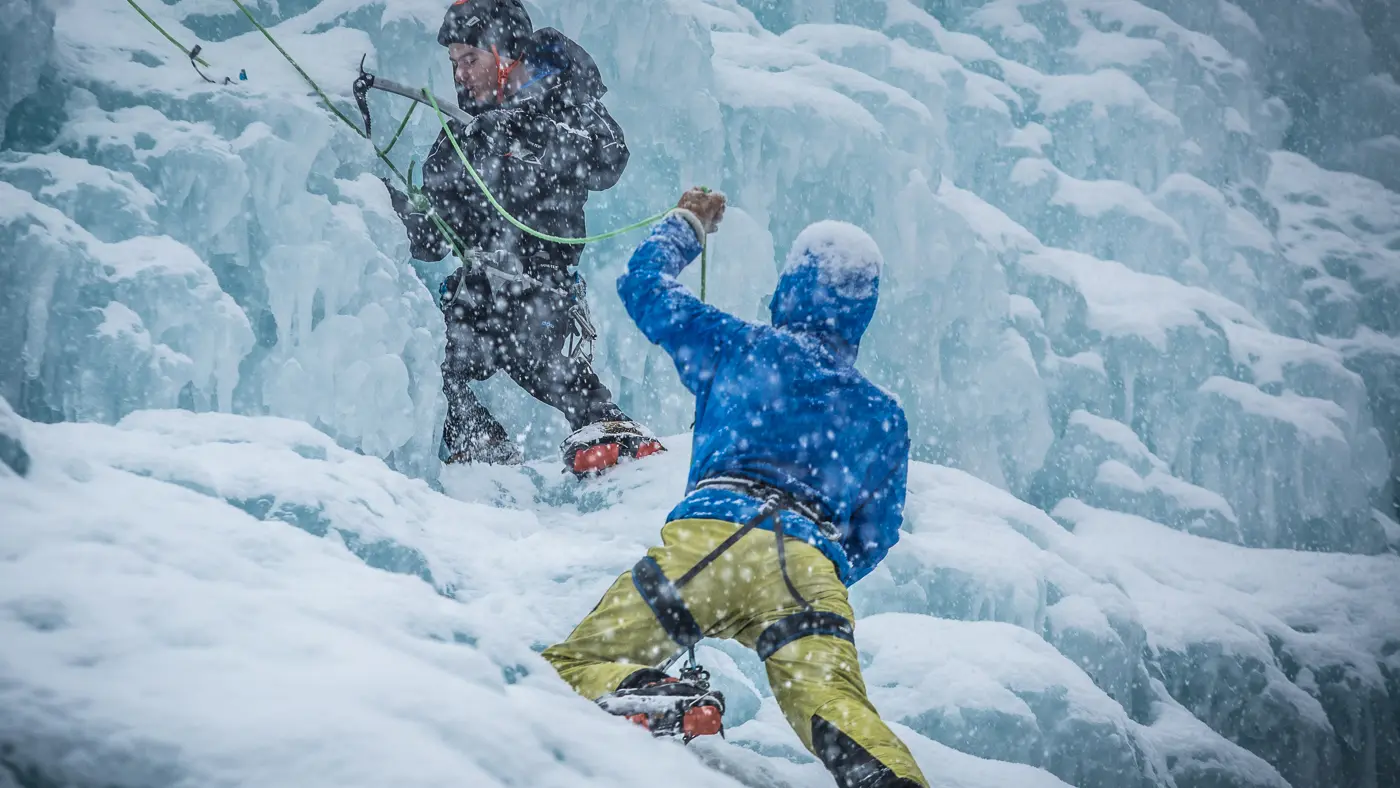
[(620, 636)]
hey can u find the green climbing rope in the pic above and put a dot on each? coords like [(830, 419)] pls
[(491, 198), (324, 98), (403, 124), (168, 37)]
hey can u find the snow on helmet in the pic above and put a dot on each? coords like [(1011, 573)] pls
[(504, 24)]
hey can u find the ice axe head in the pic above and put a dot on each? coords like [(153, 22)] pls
[(361, 89)]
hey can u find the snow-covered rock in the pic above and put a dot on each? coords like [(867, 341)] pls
[(1291, 655), (1103, 463)]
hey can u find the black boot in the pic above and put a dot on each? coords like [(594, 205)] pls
[(471, 433), (667, 706), (599, 446)]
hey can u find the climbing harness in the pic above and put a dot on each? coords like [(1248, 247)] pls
[(498, 267), (664, 599), (775, 501), (663, 595)]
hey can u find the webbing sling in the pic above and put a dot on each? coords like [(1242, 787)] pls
[(664, 596), (800, 625), (664, 599)]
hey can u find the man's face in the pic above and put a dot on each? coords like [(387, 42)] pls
[(475, 70)]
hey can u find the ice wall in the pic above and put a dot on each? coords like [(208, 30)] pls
[(1143, 258), (1033, 171), (26, 26), (12, 451), (177, 243)]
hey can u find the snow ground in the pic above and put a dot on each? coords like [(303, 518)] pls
[(203, 598)]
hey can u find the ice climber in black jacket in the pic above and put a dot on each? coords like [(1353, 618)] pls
[(541, 139)]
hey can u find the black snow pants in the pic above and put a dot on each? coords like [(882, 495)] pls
[(520, 330)]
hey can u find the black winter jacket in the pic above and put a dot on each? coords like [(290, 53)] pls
[(540, 152)]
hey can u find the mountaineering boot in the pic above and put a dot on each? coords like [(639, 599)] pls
[(599, 446), (494, 453), (470, 433), (493, 447), (667, 706)]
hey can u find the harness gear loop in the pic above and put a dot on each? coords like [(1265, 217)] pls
[(582, 333)]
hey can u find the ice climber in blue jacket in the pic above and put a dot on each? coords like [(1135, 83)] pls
[(796, 491)]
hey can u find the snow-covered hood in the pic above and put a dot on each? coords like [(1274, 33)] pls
[(830, 285)]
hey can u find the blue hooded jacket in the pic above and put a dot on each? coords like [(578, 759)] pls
[(784, 404)]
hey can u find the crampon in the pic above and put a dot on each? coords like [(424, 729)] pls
[(598, 447), (671, 708)]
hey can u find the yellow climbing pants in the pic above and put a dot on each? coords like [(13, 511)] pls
[(809, 654)]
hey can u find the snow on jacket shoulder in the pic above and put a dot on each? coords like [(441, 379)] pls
[(784, 404)]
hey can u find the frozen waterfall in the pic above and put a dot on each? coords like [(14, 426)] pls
[(1141, 303)]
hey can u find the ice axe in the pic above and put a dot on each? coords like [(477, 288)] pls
[(367, 81)]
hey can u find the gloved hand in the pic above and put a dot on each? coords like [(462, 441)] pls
[(494, 130), (707, 206)]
